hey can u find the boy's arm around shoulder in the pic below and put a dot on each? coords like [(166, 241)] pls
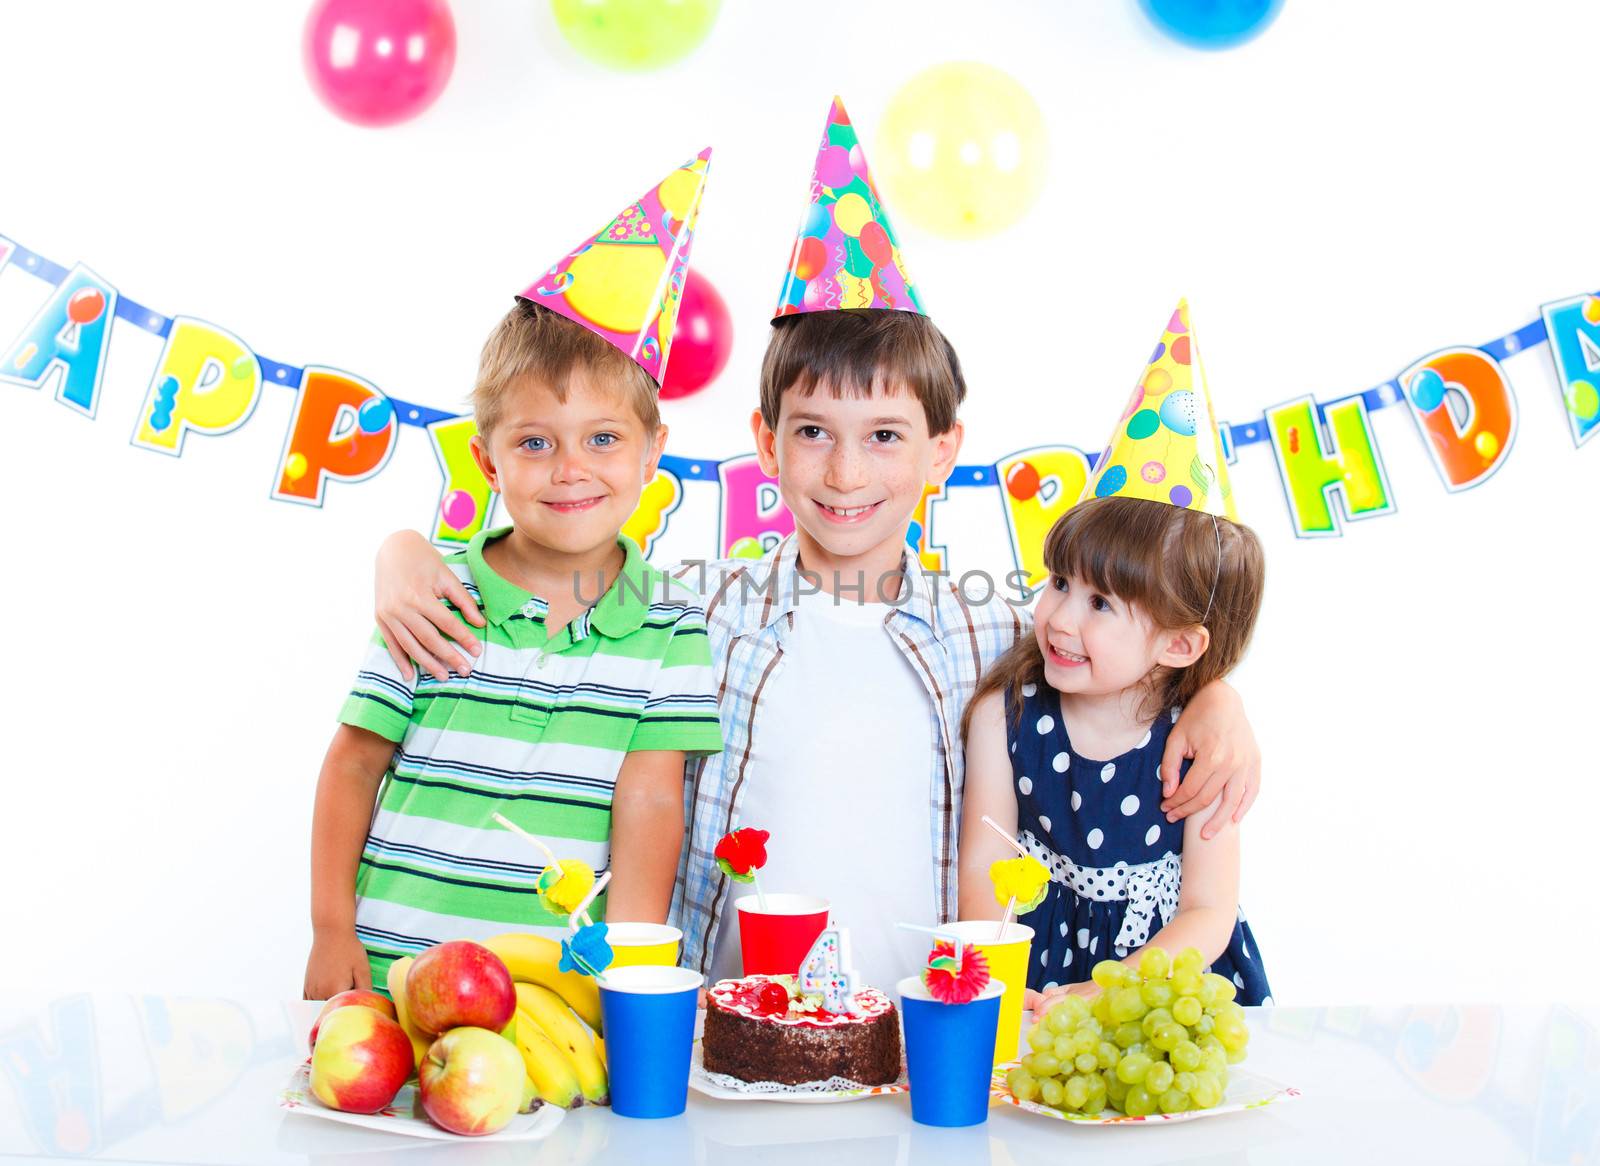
[(1227, 761)]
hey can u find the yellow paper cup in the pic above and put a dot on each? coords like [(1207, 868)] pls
[(635, 944), (1008, 963)]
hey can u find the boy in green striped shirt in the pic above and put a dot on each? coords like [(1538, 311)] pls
[(575, 721)]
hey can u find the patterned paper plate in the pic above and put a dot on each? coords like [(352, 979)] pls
[(1246, 1090), (405, 1115), (723, 1090)]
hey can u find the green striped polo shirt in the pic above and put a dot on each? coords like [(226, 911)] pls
[(536, 732)]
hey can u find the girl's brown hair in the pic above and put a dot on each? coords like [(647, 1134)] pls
[(1162, 559)]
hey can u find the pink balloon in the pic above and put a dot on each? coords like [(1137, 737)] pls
[(459, 509), (833, 167), (378, 62), (702, 341)]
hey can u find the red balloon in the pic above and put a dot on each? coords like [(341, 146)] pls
[(701, 342), (875, 242), (378, 62), (809, 256), (85, 305), (1022, 481)]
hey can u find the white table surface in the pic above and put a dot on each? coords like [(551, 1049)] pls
[(158, 1079)]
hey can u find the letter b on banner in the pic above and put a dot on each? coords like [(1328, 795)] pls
[(342, 428)]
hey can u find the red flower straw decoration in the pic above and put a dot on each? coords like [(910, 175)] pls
[(742, 853), (951, 982)]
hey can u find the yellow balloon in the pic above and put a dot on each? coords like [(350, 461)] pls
[(294, 468), (963, 150), (1487, 445), (852, 213), (615, 284), (677, 191)]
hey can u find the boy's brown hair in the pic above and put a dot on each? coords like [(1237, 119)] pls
[(860, 351), (1162, 559), (533, 341)]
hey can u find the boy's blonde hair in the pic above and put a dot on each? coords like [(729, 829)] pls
[(532, 341), (860, 351)]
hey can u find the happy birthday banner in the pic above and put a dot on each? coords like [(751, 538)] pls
[(343, 428)]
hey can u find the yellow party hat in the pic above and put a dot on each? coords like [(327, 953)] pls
[(1166, 447), (625, 283)]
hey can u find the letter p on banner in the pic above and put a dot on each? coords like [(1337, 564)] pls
[(1462, 402), (343, 428), (207, 380)]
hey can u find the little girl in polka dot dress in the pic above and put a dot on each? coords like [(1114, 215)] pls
[(1145, 605)]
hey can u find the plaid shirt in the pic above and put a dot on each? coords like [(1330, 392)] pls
[(750, 611)]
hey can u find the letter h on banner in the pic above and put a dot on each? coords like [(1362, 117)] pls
[(1314, 464)]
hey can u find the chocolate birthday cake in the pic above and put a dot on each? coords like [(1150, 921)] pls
[(762, 1028)]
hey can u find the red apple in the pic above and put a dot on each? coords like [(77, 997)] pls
[(362, 996), (361, 1060), (472, 1081), (459, 984)]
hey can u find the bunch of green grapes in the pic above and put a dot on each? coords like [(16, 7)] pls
[(1156, 1040)]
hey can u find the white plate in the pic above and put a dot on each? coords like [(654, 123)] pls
[(405, 1115), (701, 1083), (1246, 1090)]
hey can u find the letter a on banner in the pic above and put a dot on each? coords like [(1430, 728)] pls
[(343, 428), (206, 381), (1314, 467), (1038, 486), (71, 333), (1462, 402), (1574, 329)]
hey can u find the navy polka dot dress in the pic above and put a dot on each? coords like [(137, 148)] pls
[(1114, 859)]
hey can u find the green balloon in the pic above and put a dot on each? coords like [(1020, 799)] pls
[(1143, 423), (635, 35)]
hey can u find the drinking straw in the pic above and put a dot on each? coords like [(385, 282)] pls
[(549, 855), (582, 909), (1012, 905), (937, 933)]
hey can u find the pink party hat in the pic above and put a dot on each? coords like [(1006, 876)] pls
[(1166, 447), (625, 282), (847, 255)]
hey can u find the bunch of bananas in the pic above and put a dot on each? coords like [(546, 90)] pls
[(565, 1064)]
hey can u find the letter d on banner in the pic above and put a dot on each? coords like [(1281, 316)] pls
[(342, 428), (1463, 404), (206, 380)]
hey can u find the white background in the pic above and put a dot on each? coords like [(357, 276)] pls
[(1364, 184)]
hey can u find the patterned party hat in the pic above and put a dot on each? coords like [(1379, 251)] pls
[(625, 283), (847, 255), (1166, 447)]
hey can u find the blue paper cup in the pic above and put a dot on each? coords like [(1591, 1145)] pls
[(949, 1053), (648, 1013)]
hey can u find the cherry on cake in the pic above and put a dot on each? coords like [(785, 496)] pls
[(762, 1028)]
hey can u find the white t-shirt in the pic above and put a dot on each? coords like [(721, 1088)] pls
[(845, 714)]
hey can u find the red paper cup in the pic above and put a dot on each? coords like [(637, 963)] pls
[(774, 941)]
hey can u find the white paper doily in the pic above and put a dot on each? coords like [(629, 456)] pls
[(835, 1089)]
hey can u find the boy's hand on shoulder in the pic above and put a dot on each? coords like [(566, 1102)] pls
[(411, 580), (337, 963), (1227, 761)]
